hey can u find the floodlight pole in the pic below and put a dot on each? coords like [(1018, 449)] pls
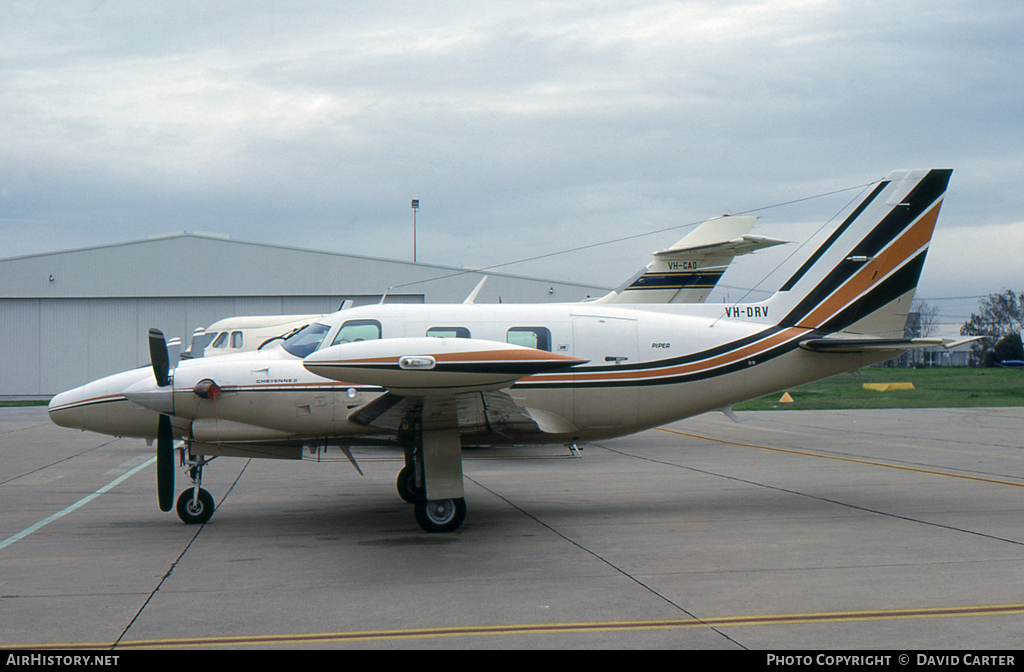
[(415, 207)]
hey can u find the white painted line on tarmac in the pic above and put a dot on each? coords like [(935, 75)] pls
[(125, 466), (77, 505)]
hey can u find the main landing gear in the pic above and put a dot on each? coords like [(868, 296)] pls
[(433, 468), (443, 515), (406, 485)]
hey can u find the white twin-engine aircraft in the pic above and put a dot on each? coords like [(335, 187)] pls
[(521, 374)]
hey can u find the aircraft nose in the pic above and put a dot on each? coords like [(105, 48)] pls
[(80, 407), (100, 406), (60, 407)]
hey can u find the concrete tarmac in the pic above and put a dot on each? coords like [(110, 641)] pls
[(895, 530)]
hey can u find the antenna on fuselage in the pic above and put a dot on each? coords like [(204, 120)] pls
[(472, 295)]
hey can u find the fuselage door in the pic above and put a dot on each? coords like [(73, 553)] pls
[(605, 397)]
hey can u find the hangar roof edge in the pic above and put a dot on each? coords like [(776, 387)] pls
[(159, 239)]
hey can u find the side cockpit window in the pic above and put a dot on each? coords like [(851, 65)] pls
[(358, 330), (221, 341), (236, 339), (305, 340)]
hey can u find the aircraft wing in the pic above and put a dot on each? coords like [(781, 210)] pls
[(442, 383), (493, 412)]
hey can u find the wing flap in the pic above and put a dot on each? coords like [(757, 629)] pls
[(493, 412)]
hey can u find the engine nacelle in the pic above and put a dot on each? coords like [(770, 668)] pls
[(430, 366)]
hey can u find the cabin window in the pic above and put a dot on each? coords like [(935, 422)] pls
[(358, 330), (221, 341), (530, 337), (448, 332), (305, 340), (236, 339)]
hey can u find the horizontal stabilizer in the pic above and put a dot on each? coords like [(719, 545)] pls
[(852, 345), (740, 245)]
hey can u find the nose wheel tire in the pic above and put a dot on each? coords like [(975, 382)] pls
[(442, 515), (195, 512)]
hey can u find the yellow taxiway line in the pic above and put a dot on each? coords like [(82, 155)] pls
[(850, 460), (320, 638)]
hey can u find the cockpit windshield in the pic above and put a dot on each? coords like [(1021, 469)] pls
[(305, 340)]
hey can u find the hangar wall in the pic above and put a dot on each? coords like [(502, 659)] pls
[(67, 318), (60, 340)]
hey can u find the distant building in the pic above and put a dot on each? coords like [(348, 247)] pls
[(958, 356), (70, 317), (938, 356)]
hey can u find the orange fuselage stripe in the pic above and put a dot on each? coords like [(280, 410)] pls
[(907, 244)]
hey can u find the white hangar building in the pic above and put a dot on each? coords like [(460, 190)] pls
[(67, 318)]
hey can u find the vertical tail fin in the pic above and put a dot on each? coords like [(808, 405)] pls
[(690, 269), (862, 279)]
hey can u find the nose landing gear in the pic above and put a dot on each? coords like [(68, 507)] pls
[(195, 505)]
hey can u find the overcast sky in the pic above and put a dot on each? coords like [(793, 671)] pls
[(523, 128)]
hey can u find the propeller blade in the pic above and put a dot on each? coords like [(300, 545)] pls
[(158, 355), (165, 463)]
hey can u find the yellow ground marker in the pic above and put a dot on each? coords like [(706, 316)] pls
[(888, 387), (786, 399)]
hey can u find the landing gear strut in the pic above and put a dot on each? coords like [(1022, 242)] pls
[(432, 480), (195, 505)]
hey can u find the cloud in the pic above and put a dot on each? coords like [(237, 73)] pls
[(992, 252), (522, 127)]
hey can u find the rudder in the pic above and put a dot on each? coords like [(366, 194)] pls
[(862, 279)]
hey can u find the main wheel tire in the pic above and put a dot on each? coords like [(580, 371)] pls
[(406, 484), (195, 513), (442, 515)]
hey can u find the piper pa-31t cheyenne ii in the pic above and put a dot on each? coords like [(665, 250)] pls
[(521, 374)]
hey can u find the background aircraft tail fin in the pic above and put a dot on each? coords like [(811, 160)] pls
[(690, 269), (862, 279)]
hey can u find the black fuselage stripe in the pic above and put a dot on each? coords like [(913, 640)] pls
[(684, 359), (920, 199), (890, 289), (833, 238), (711, 372), (696, 280), (484, 368)]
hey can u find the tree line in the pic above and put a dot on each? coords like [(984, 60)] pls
[(999, 321)]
